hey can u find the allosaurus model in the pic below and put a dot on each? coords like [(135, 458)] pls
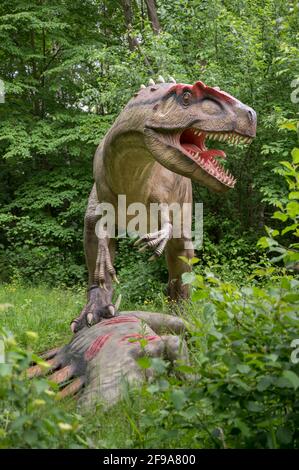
[(162, 140)]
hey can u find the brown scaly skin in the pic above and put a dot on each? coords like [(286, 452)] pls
[(100, 361), (156, 146)]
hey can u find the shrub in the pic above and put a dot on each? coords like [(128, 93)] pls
[(30, 416)]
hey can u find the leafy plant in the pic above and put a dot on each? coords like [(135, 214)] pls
[(30, 416)]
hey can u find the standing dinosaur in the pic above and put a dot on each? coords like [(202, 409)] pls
[(156, 146)]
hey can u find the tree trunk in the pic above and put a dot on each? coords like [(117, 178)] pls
[(153, 16), (128, 13)]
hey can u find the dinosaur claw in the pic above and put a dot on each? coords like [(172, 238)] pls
[(153, 258), (73, 325), (115, 279), (89, 319)]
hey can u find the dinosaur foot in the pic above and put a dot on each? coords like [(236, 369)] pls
[(97, 308), (155, 240)]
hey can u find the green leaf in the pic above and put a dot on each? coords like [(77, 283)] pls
[(290, 228), (254, 406), (280, 216), (188, 278), (243, 368), (144, 362), (292, 377), (284, 435), (294, 195), (264, 383), (293, 209), (295, 155), (289, 125), (178, 398)]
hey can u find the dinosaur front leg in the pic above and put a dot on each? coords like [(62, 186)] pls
[(156, 240), (176, 267)]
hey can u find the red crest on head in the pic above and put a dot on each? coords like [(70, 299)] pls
[(200, 90)]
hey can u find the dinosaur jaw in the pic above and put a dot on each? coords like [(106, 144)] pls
[(192, 142)]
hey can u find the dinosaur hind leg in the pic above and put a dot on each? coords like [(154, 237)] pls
[(99, 255), (176, 267)]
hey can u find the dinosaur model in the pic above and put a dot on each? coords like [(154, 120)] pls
[(157, 145), (101, 361)]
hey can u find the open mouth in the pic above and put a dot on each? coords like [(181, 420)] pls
[(192, 143)]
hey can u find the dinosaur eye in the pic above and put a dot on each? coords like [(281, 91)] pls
[(187, 95)]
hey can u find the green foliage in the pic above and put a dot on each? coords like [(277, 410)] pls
[(288, 214), (48, 311), (29, 414), (244, 387)]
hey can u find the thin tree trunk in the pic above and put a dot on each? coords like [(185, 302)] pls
[(153, 16), (128, 13), (133, 42)]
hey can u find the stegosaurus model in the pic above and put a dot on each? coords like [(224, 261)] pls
[(102, 360), (162, 140)]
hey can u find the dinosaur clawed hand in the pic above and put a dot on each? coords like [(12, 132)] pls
[(155, 240)]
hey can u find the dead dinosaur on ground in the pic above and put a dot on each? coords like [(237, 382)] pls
[(152, 152), (101, 361)]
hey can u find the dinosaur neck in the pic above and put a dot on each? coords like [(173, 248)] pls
[(128, 164)]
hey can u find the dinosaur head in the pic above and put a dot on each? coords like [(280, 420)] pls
[(185, 124)]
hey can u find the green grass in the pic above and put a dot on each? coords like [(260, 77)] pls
[(43, 310), (49, 311)]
